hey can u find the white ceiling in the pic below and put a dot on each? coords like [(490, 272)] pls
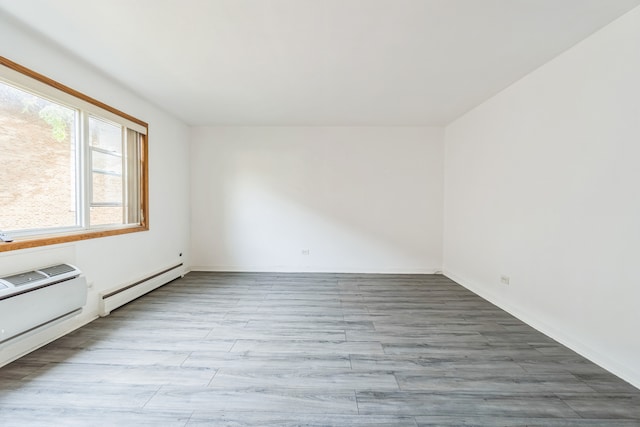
[(316, 62)]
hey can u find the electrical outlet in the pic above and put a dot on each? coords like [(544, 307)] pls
[(504, 280), (305, 252)]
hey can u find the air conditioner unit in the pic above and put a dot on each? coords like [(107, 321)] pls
[(37, 298)]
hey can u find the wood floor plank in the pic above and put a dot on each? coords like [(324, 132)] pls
[(157, 375), (494, 382), (254, 399), (40, 395), (481, 404), (308, 346), (490, 421), (604, 405), (252, 360), (327, 379), (94, 417), (109, 356), (270, 419)]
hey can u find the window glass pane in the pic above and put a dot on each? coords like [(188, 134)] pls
[(38, 173), (107, 188), (106, 163), (106, 215), (105, 135)]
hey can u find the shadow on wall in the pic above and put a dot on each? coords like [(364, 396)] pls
[(364, 205)]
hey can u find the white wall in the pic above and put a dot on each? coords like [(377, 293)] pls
[(111, 261), (361, 199), (542, 184)]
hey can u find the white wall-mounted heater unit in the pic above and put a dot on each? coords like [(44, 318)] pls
[(121, 295), (34, 299)]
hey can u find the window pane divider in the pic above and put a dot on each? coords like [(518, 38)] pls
[(106, 152), (106, 204), (106, 172)]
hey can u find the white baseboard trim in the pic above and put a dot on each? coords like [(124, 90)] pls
[(626, 373), (282, 269), (114, 298)]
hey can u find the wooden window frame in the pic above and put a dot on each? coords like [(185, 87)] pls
[(57, 238)]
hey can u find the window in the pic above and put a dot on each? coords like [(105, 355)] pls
[(72, 167)]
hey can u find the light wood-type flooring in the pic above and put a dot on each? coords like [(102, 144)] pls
[(225, 349)]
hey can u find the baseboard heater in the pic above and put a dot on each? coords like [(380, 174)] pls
[(114, 298), (35, 299)]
